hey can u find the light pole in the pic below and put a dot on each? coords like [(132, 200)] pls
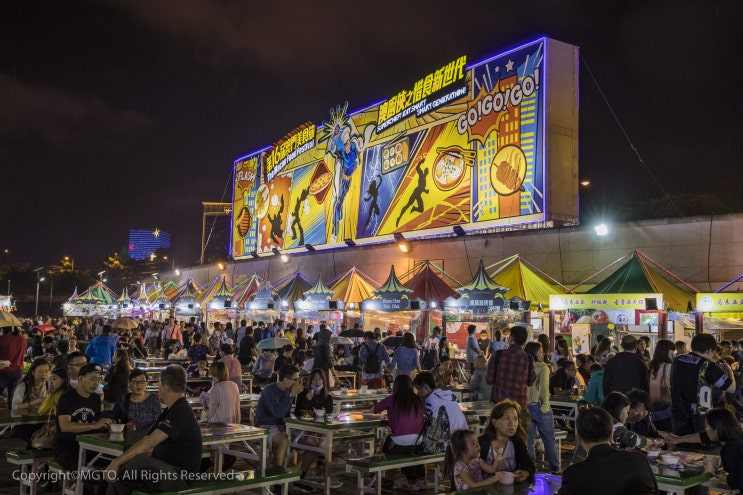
[(39, 279)]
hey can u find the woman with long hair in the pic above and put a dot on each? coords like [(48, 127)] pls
[(138, 409), (315, 396), (29, 394), (406, 358), (561, 352), (59, 383), (503, 443), (660, 384), (33, 388), (117, 378), (722, 426), (603, 349), (538, 404), (405, 412)]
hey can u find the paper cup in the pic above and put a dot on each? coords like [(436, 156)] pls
[(507, 479), (653, 454)]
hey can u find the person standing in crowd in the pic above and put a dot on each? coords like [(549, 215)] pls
[(273, 406), (540, 412), (473, 348), (643, 343), (693, 376), (198, 350), (562, 351), (511, 371), (616, 472), (79, 411), (12, 351), (372, 356), (430, 350), (626, 370), (175, 443), (101, 349), (116, 380), (680, 348), (498, 343), (660, 384), (246, 351), (479, 388), (234, 368), (405, 358), (603, 350)]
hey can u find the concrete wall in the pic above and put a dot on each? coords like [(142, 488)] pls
[(706, 252)]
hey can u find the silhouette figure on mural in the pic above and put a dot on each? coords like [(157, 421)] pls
[(276, 230), (296, 224), (417, 195), (372, 193)]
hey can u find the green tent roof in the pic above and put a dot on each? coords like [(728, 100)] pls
[(640, 274)]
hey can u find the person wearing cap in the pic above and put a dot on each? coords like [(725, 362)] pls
[(78, 411), (626, 370), (174, 440)]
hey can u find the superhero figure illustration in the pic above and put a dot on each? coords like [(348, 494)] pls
[(417, 195), (348, 161), (296, 223), (275, 221), (372, 193)]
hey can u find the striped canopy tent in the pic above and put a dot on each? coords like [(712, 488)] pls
[(170, 289), (353, 286), (184, 302), (245, 289), (427, 285), (99, 293), (525, 281), (292, 288), (140, 297), (216, 294), (641, 274)]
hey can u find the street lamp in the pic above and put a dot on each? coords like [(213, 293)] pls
[(100, 276), (39, 279), (72, 262)]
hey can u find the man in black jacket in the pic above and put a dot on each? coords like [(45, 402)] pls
[(626, 370), (606, 470)]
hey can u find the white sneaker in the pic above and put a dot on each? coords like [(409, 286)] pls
[(334, 482)]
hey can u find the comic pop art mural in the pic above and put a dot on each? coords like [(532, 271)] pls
[(493, 144)]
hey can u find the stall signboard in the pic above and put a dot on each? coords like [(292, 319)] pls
[(561, 302), (484, 145), (719, 302)]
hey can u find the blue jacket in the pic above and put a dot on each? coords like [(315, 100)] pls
[(101, 350), (406, 359)]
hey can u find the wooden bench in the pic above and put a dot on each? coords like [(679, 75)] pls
[(30, 462), (379, 464), (243, 480)]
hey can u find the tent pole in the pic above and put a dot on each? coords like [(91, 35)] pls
[(552, 330), (698, 323)]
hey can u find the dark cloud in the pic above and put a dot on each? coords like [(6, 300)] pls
[(57, 116)]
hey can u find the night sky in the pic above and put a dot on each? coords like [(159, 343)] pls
[(127, 114)]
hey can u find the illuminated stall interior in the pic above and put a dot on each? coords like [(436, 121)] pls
[(353, 287)]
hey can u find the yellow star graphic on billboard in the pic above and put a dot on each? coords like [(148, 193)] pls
[(156, 232)]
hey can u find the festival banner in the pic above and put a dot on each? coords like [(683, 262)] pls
[(464, 145), (562, 302)]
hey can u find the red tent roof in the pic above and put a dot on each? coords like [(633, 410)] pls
[(428, 286)]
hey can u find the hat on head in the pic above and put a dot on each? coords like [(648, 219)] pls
[(628, 339), (90, 368)]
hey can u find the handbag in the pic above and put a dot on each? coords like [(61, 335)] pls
[(43, 438)]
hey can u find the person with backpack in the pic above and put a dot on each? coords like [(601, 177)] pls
[(371, 356)]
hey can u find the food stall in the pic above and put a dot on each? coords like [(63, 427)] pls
[(318, 304), (391, 308), (98, 300), (185, 304), (217, 301), (428, 286), (264, 305), (351, 287), (291, 289), (720, 313), (481, 303)]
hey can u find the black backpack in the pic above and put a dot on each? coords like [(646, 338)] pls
[(429, 358), (372, 364)]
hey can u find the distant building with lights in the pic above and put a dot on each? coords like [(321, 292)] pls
[(142, 243)]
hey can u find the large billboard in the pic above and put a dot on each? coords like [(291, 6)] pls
[(492, 144)]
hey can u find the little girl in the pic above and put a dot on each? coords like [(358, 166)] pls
[(464, 454)]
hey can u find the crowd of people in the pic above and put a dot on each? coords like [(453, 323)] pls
[(648, 400)]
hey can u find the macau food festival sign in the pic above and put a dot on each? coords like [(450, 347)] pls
[(492, 144)]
